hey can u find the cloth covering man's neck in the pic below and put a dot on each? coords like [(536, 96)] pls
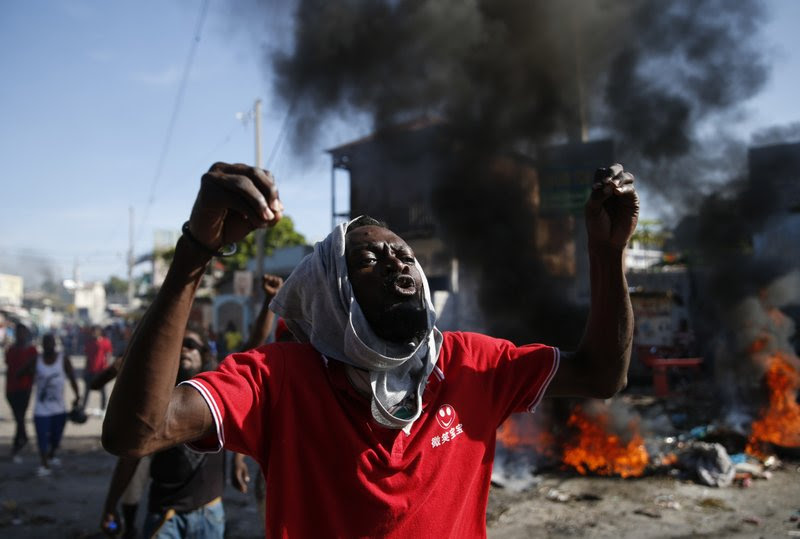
[(319, 306)]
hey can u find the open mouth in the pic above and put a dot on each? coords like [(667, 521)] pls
[(402, 285)]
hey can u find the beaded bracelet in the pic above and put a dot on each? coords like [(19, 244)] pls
[(230, 250)]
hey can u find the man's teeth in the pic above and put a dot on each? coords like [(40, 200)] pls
[(404, 282)]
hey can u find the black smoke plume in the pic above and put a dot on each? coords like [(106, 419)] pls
[(511, 74), (739, 241)]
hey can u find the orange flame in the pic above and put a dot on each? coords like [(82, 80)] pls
[(512, 435), (779, 422), (602, 453)]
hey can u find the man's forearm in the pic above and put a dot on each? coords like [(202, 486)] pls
[(120, 479), (606, 346), (261, 326), (138, 405)]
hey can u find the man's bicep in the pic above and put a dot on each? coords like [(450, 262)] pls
[(188, 417)]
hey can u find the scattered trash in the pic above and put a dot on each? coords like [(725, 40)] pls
[(555, 495), (710, 463), (667, 501), (739, 458), (752, 519), (793, 533), (752, 468), (698, 433), (747, 471), (743, 480), (647, 512)]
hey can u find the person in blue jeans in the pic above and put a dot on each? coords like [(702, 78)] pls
[(51, 370), (186, 495)]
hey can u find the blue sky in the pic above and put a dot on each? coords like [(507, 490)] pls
[(88, 90)]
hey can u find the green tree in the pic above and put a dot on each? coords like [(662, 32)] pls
[(282, 234), (116, 285)]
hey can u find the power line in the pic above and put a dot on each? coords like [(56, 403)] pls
[(225, 140), (173, 119), (281, 136)]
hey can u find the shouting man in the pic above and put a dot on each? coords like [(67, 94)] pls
[(374, 423)]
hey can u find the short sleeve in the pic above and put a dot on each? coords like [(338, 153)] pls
[(241, 394), (519, 375)]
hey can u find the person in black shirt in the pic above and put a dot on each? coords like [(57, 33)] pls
[(185, 498)]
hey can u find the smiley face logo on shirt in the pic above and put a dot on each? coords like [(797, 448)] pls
[(445, 416)]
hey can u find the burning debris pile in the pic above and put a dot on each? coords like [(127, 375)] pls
[(756, 423), (779, 421), (612, 439), (599, 449), (777, 426), (598, 438)]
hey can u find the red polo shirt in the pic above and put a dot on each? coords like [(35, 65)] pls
[(97, 351), (332, 471)]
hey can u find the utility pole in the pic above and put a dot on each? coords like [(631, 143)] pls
[(259, 237), (130, 257)]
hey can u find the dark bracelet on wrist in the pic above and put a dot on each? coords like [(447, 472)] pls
[(230, 250)]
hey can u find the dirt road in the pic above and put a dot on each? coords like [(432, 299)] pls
[(68, 503)]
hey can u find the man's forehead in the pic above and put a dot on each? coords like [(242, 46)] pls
[(370, 234)]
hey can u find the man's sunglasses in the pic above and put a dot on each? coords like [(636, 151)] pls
[(192, 344)]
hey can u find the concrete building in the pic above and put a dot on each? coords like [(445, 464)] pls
[(89, 300), (11, 290)]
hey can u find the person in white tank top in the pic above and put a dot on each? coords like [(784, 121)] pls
[(51, 369)]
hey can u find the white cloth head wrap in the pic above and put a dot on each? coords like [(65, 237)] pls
[(319, 307)]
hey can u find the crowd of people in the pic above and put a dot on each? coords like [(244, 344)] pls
[(183, 489)]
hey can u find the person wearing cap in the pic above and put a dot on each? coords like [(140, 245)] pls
[(375, 423)]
